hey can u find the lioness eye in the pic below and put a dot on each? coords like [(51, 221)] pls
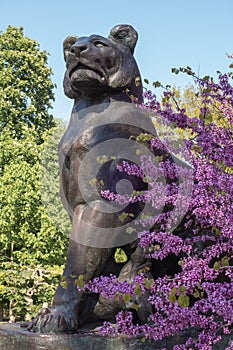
[(99, 44)]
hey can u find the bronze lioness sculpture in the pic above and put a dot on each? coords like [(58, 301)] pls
[(101, 76)]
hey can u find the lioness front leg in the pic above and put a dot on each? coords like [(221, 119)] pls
[(63, 316)]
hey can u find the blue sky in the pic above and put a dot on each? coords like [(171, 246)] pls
[(172, 33)]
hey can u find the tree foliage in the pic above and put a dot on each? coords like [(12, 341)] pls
[(29, 239), (49, 179), (191, 100), (26, 89)]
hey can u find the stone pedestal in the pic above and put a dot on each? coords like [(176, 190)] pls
[(12, 337)]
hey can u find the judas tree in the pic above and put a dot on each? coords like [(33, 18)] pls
[(195, 296)]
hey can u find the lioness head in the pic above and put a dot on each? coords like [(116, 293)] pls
[(98, 66)]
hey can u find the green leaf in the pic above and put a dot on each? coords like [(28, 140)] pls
[(148, 283), (208, 119), (137, 81), (130, 230), (117, 295), (144, 137), (93, 181), (138, 289), (157, 84), (206, 77), (64, 285), (173, 290), (102, 159), (123, 216), (175, 70), (63, 282), (172, 298), (196, 294), (183, 289), (183, 300), (180, 262), (120, 256), (80, 281), (126, 298), (145, 216), (146, 81), (225, 261), (172, 295), (217, 265), (144, 270)]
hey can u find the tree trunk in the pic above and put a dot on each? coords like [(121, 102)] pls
[(1, 311)]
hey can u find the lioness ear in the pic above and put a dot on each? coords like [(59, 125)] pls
[(67, 43), (125, 34)]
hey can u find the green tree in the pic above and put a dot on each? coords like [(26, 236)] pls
[(50, 183), (190, 99), (32, 247), (28, 233), (29, 239), (26, 89)]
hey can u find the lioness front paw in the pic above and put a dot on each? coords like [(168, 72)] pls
[(52, 321)]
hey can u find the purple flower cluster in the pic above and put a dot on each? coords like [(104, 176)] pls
[(200, 294), (111, 287)]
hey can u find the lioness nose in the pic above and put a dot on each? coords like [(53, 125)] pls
[(78, 48)]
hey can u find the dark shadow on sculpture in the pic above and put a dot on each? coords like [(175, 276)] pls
[(101, 76)]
